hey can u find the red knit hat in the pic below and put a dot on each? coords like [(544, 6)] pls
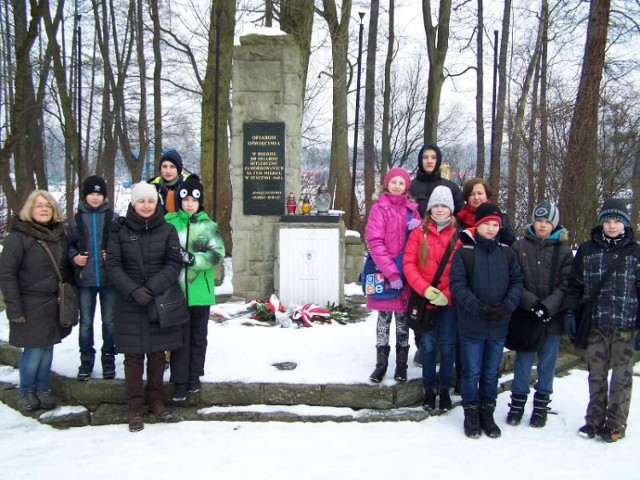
[(488, 212), (397, 172)]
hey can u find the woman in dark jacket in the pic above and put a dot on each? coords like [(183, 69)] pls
[(143, 260), (29, 284), (546, 262)]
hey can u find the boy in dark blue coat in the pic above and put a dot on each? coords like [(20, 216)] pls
[(486, 284)]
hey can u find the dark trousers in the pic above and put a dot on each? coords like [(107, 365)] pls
[(187, 363), (133, 369)]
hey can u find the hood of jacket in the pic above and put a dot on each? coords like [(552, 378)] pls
[(422, 175), (138, 224)]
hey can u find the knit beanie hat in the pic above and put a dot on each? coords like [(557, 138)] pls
[(191, 187), (548, 211), (94, 184), (614, 208), (143, 190), (441, 195), (397, 172), (174, 157), (488, 212)]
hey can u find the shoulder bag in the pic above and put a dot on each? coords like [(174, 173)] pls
[(68, 303), (422, 315)]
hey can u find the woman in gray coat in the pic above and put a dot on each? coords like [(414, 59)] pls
[(29, 285)]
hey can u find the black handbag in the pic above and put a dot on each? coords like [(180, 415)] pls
[(527, 332), (68, 302), (422, 314)]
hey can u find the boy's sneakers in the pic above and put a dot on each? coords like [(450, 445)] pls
[(610, 435), (180, 395), (588, 431), (46, 400), (28, 402)]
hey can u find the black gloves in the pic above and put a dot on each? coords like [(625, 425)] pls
[(540, 311), (493, 312), (142, 296), (187, 258)]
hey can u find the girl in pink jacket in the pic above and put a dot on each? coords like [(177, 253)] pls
[(391, 215)]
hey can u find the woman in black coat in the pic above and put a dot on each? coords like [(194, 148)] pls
[(29, 283), (143, 260)]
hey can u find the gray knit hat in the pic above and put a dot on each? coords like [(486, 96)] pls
[(441, 195), (614, 208), (548, 211)]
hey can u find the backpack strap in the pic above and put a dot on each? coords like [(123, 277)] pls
[(106, 228), (82, 234)]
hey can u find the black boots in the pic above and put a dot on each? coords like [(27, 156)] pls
[(382, 361), (108, 366), (429, 403), (445, 400), (86, 367), (540, 409), (487, 423), (472, 421), (516, 408), (402, 355)]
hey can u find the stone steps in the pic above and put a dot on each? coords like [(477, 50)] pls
[(102, 402)]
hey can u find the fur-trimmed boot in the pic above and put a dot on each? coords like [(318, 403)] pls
[(382, 362), (540, 409), (516, 408), (487, 422), (402, 355)]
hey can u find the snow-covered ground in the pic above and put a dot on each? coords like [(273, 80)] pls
[(241, 350)]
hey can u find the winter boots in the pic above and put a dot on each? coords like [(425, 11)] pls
[(28, 402), (47, 402), (86, 367), (516, 408), (381, 364), (540, 409), (108, 366), (429, 403), (136, 423), (402, 355), (445, 400), (472, 422), (487, 423)]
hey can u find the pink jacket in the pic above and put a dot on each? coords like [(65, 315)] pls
[(386, 235)]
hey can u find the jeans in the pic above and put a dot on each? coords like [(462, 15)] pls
[(444, 338), (480, 370), (35, 367), (87, 297), (546, 368)]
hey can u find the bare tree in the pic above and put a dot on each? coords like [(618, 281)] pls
[(480, 148), (580, 174), (385, 160), (370, 105)]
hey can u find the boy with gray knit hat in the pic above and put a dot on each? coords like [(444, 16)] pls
[(609, 262)]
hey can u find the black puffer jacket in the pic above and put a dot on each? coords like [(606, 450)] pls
[(30, 284), (155, 243), (536, 261)]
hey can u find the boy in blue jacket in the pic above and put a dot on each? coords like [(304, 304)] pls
[(88, 236)]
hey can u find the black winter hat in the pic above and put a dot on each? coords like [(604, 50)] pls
[(94, 184), (487, 212), (615, 208), (191, 187), (174, 157)]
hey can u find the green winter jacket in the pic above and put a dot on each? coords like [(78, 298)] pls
[(201, 237)]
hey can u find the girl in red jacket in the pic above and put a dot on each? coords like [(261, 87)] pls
[(391, 215), (423, 253)]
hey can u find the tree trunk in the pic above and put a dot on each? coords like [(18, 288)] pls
[(386, 96), (157, 87), (516, 132), (370, 106), (222, 212), (339, 174), (501, 101), (531, 144), (437, 46), (480, 149), (143, 124), (579, 197), (544, 139), (296, 18)]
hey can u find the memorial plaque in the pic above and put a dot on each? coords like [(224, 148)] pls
[(263, 168)]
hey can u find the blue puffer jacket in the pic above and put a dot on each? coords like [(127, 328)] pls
[(617, 304), (496, 279)]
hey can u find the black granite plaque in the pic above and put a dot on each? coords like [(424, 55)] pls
[(263, 168)]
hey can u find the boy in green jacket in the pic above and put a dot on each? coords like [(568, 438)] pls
[(202, 250)]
